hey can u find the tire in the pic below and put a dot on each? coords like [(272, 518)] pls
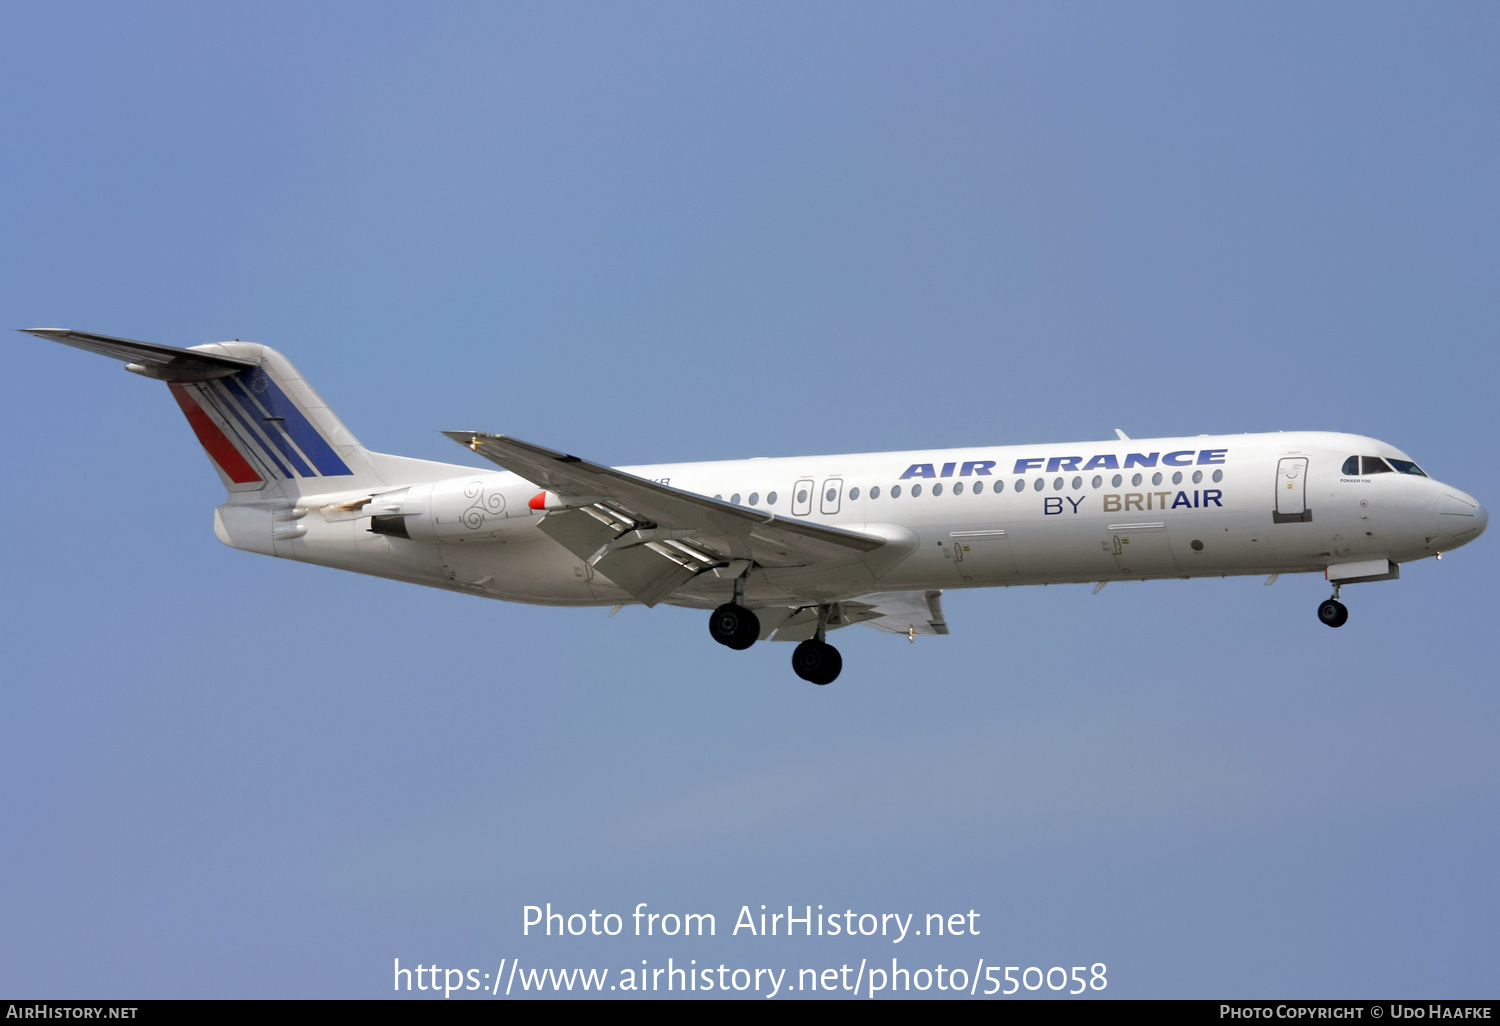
[(817, 662), (1334, 613), (734, 626)]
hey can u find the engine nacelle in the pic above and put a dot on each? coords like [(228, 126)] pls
[(469, 508)]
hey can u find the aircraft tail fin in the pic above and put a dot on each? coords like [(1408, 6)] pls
[(268, 424), (259, 421)]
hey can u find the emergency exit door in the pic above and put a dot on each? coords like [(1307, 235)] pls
[(802, 498), (1291, 491), (830, 495)]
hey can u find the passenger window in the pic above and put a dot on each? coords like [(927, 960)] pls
[(1020, 484), (1156, 478), (735, 498), (978, 487), (1115, 481), (1097, 481), (895, 491), (1374, 465), (1351, 467), (853, 494), (1218, 476), (1197, 476), (958, 487), (771, 499), (916, 490), (937, 489), (1177, 477), (755, 498), (875, 492)]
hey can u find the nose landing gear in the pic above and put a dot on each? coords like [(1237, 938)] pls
[(1333, 612)]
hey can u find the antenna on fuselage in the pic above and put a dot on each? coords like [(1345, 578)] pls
[(1123, 436)]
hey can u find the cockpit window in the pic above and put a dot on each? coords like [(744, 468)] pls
[(1376, 465), (1407, 467)]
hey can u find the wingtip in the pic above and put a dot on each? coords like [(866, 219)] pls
[(467, 436), (467, 439)]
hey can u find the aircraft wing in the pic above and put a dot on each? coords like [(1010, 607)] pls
[(166, 363), (899, 612), (905, 612), (650, 538)]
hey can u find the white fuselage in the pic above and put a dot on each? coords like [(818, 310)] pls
[(965, 517)]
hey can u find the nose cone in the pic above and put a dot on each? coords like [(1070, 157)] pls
[(1461, 518)]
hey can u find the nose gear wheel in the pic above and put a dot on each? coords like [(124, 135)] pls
[(1334, 613)]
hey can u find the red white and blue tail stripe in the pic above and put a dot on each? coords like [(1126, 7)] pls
[(254, 432)]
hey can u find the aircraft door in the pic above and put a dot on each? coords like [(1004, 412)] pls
[(831, 495), (982, 557), (1291, 491), (1141, 550), (802, 497)]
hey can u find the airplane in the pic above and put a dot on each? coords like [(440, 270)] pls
[(790, 548)]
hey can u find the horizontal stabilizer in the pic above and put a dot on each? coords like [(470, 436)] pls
[(257, 419), (166, 363)]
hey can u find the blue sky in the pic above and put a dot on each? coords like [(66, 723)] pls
[(663, 232)]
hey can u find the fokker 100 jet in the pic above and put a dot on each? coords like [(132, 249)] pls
[(788, 549)]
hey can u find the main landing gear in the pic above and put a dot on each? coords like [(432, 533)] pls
[(732, 624), (815, 660), (736, 627), (1333, 612)]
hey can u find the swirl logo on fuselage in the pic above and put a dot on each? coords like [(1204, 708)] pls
[(484, 505)]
